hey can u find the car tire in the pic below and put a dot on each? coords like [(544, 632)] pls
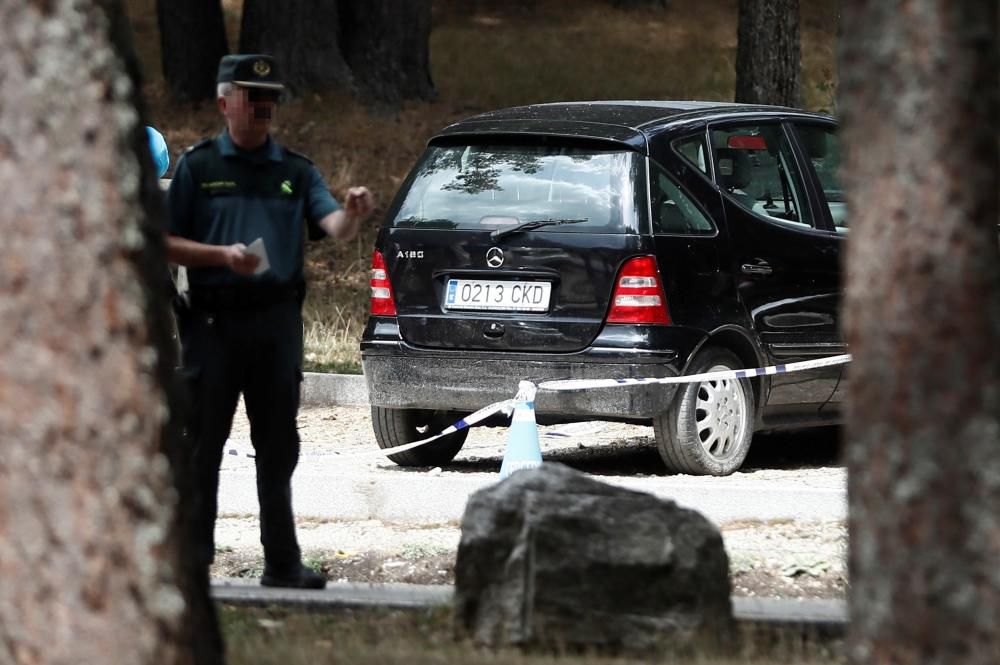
[(709, 425), (396, 427)]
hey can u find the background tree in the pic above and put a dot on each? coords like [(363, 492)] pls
[(192, 40), (640, 4), (923, 320), (386, 44), (302, 35), (90, 542), (768, 53)]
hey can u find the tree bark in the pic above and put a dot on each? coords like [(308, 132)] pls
[(192, 41), (90, 542), (198, 634), (768, 53), (302, 35), (387, 46), (923, 324)]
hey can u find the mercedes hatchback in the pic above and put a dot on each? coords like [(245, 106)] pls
[(610, 240)]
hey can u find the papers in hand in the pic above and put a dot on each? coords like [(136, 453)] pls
[(256, 248)]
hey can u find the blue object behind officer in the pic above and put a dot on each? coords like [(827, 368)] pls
[(241, 329), (158, 150)]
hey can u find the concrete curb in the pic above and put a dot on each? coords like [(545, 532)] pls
[(823, 617), (319, 389), (235, 591), (819, 616)]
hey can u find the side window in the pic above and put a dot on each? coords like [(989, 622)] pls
[(755, 167), (822, 148), (673, 210), (692, 148)]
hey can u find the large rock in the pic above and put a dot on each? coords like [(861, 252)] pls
[(552, 557)]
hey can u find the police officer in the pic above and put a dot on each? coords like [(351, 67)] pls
[(242, 329)]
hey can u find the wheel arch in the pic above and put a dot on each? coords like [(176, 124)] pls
[(740, 342)]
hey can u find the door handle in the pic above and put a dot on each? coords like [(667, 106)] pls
[(756, 269)]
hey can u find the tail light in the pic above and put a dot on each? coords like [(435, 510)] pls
[(383, 304), (638, 295)]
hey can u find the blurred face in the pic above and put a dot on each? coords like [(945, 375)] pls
[(249, 110)]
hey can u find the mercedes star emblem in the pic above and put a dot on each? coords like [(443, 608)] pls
[(494, 257)]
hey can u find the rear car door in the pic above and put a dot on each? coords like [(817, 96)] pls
[(786, 259), (684, 208)]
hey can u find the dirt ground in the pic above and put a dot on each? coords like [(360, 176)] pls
[(790, 559), (802, 560)]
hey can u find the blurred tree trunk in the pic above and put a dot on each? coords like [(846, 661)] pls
[(91, 544), (768, 53), (923, 323), (302, 35), (387, 46), (192, 41)]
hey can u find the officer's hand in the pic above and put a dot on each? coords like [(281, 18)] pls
[(240, 262), (359, 202)]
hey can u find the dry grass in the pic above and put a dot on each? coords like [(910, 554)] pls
[(332, 331), (370, 637), (482, 60)]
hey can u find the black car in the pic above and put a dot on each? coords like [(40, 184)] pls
[(612, 240)]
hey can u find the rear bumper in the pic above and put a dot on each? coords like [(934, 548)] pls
[(402, 376)]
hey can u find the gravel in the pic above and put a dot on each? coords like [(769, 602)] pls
[(775, 559)]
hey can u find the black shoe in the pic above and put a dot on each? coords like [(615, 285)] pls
[(303, 578)]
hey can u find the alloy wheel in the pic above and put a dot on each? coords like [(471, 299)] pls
[(720, 415)]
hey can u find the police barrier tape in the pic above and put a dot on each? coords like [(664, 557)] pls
[(528, 392), (506, 406), (591, 384), (572, 430), (584, 384)]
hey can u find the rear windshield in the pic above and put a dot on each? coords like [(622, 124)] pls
[(496, 186)]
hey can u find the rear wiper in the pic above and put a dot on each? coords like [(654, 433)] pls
[(533, 224)]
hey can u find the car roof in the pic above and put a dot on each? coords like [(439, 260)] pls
[(619, 121)]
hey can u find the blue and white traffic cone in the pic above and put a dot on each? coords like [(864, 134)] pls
[(523, 451)]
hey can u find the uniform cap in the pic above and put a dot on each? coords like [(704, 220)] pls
[(250, 70)]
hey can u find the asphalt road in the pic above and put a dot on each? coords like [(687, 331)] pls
[(789, 476)]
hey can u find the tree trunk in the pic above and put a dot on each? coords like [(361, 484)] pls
[(90, 544), (387, 46), (768, 53), (923, 324), (192, 41), (302, 35), (198, 633)]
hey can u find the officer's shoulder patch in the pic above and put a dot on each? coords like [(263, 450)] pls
[(292, 153), (199, 145)]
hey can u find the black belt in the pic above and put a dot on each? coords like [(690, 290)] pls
[(245, 296)]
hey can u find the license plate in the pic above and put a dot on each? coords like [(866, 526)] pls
[(497, 296)]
